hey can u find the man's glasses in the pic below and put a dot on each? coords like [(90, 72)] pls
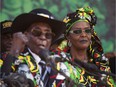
[(79, 31), (38, 33)]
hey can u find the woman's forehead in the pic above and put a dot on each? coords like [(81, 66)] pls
[(81, 24)]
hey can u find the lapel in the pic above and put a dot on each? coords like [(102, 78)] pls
[(27, 58)]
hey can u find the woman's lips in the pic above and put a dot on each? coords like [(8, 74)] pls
[(83, 41)]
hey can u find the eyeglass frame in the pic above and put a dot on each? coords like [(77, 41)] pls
[(72, 31), (52, 34)]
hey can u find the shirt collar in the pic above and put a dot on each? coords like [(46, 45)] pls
[(35, 56)]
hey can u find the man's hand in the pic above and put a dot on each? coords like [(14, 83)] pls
[(18, 44)]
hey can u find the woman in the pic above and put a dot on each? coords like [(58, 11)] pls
[(84, 50)]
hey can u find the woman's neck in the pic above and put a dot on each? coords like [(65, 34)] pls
[(80, 54)]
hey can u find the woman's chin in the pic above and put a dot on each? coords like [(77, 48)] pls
[(84, 47)]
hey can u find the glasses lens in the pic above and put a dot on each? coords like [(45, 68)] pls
[(49, 35), (36, 33), (88, 31), (77, 31)]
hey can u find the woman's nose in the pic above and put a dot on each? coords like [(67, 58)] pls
[(83, 33)]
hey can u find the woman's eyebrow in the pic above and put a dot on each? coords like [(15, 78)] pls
[(79, 27)]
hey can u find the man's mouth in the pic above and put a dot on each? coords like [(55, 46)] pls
[(41, 46)]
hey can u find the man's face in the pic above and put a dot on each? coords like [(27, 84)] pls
[(6, 42), (39, 36)]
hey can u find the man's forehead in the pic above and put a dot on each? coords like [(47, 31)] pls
[(40, 25)]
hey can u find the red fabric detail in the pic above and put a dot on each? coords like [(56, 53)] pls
[(54, 76), (72, 59), (97, 63), (4, 56), (96, 55), (93, 85), (59, 83), (59, 49), (33, 73)]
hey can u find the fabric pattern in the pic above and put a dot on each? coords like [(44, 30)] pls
[(27, 65), (79, 75)]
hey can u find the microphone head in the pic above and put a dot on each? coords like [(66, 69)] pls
[(92, 67), (88, 66), (44, 54)]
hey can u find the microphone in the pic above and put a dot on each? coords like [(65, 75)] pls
[(92, 67), (45, 56), (18, 80), (87, 66)]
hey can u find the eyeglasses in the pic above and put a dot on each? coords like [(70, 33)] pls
[(79, 31), (38, 33)]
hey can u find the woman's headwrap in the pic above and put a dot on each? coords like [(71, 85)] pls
[(95, 50), (82, 14)]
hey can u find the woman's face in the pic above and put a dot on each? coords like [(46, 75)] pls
[(39, 37), (80, 35)]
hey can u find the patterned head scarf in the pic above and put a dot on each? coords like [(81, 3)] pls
[(82, 14), (95, 50)]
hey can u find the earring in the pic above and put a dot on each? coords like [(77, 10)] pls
[(69, 43), (90, 42)]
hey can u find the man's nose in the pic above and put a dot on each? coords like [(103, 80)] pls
[(43, 36)]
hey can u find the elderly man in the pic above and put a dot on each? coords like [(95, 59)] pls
[(36, 31)]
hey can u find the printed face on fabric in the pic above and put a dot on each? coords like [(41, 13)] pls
[(6, 35), (80, 35), (6, 42), (39, 36)]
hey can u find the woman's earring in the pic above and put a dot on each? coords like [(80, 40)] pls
[(90, 42), (69, 43)]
